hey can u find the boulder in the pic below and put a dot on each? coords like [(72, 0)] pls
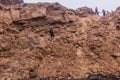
[(84, 11), (10, 2)]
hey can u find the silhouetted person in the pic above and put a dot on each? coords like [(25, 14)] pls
[(51, 33), (104, 13), (96, 11)]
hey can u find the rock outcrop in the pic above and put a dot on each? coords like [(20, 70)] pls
[(10, 2), (52, 12), (81, 46), (84, 11)]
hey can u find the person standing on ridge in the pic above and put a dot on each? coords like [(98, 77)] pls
[(96, 11), (104, 13)]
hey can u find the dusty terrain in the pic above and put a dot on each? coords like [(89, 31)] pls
[(84, 43)]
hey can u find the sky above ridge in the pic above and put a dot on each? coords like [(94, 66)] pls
[(101, 4)]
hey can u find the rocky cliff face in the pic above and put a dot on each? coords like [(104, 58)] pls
[(82, 45)]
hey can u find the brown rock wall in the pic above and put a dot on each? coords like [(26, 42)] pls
[(81, 46)]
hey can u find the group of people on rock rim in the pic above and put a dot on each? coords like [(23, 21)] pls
[(103, 12), (96, 12)]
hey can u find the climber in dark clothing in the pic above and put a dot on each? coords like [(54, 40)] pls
[(104, 13), (51, 33), (96, 11)]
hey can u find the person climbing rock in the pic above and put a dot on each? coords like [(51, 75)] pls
[(51, 33), (96, 11)]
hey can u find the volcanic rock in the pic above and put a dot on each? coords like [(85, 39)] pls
[(81, 46), (10, 2), (83, 11)]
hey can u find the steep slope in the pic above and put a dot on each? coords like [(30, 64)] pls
[(82, 45)]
